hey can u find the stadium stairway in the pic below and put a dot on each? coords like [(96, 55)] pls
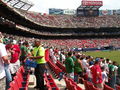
[(61, 84), (32, 81), (54, 71)]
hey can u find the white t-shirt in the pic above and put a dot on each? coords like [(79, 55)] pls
[(85, 64), (54, 59), (88, 72), (51, 52), (106, 67), (104, 76), (116, 68), (3, 52), (63, 57)]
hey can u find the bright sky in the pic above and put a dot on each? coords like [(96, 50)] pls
[(44, 5)]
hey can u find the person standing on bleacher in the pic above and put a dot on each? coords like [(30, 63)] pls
[(39, 57), (24, 52), (15, 54), (97, 74), (69, 65), (3, 60)]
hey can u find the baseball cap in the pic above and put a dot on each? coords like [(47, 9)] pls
[(97, 59)]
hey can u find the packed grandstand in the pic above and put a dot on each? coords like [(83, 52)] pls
[(60, 35)]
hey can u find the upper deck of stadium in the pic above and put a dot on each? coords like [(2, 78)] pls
[(63, 21), (71, 21), (57, 26)]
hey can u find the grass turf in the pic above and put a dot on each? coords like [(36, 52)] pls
[(112, 55)]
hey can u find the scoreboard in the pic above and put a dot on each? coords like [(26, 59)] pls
[(92, 3), (89, 8), (87, 12)]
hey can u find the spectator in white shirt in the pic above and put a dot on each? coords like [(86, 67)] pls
[(3, 59), (104, 75)]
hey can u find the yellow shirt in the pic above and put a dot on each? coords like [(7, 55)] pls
[(39, 51)]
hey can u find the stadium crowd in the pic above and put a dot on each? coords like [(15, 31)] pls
[(14, 50), (85, 43), (77, 65), (70, 21), (99, 71)]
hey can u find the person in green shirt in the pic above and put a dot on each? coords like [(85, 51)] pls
[(78, 68), (24, 51), (69, 64), (39, 57)]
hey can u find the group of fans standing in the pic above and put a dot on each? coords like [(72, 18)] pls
[(13, 53), (98, 71)]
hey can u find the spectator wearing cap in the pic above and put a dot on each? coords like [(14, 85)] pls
[(97, 74), (3, 60)]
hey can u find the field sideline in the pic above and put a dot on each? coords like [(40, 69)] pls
[(112, 55)]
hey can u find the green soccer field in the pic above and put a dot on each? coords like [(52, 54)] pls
[(112, 55)]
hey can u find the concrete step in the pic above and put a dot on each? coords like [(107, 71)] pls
[(61, 84), (82, 86), (32, 82)]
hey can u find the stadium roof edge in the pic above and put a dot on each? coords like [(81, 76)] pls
[(29, 2), (19, 4)]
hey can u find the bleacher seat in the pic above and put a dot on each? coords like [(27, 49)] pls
[(106, 87), (51, 85), (13, 86), (71, 85), (20, 81), (117, 87), (56, 69), (61, 66), (85, 84), (91, 86)]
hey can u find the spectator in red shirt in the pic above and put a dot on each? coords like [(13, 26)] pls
[(97, 74), (15, 50), (15, 53)]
